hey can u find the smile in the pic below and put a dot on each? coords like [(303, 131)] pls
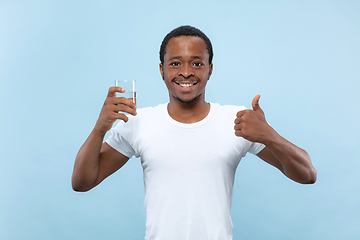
[(186, 85)]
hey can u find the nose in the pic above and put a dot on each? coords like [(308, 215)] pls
[(186, 71)]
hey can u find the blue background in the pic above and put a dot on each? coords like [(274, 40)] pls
[(58, 58)]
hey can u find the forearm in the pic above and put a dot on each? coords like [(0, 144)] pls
[(296, 163), (90, 168), (293, 161), (86, 167)]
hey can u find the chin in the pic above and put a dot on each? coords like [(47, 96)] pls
[(187, 100)]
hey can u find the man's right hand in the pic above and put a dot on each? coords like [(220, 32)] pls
[(113, 109)]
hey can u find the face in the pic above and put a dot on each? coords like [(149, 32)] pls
[(186, 69)]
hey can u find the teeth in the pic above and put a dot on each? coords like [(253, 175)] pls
[(186, 85)]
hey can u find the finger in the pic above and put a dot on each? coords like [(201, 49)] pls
[(255, 103), (121, 116), (238, 133), (123, 108), (124, 101), (237, 127), (113, 90), (240, 113), (238, 120)]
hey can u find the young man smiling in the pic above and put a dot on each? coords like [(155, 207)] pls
[(189, 148), (186, 70)]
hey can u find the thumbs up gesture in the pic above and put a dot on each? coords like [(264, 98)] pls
[(252, 125)]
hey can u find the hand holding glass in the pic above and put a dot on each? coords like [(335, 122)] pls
[(129, 86)]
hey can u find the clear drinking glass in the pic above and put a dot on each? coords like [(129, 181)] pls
[(130, 90)]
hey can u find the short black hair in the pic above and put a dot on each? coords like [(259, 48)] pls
[(185, 31)]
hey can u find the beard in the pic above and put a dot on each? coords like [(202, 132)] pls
[(188, 101)]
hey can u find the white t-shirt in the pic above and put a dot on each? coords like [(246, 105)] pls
[(188, 170)]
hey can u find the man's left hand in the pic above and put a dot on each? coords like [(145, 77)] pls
[(252, 125)]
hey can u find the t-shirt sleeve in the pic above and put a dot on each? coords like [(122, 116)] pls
[(119, 140), (255, 148)]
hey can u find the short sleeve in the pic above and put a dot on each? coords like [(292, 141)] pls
[(118, 140), (255, 148)]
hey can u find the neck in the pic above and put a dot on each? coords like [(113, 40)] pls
[(191, 112)]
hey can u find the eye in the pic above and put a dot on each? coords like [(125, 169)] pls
[(198, 64), (175, 64)]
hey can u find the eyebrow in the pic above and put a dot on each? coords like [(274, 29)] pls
[(178, 57)]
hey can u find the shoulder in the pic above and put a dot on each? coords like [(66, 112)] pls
[(225, 114), (146, 117), (227, 109)]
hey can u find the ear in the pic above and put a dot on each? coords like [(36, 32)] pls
[(210, 70), (161, 70)]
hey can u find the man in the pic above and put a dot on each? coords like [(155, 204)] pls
[(189, 148)]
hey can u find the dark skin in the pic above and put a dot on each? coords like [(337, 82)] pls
[(186, 63), (185, 71), (292, 161), (96, 160)]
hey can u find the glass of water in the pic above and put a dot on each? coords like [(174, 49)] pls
[(130, 90)]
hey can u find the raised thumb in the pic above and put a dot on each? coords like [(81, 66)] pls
[(255, 103)]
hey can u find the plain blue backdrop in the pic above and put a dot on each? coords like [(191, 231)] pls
[(58, 59)]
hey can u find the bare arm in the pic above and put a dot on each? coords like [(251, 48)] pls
[(94, 162), (293, 161), (97, 160)]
